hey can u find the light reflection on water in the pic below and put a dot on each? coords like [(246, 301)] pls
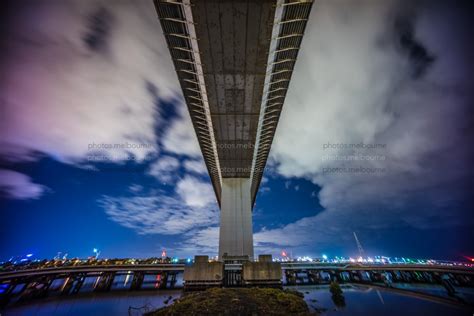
[(359, 301), (112, 303), (370, 301)]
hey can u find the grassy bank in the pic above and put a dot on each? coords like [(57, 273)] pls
[(243, 301)]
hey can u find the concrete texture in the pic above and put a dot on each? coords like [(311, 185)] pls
[(263, 272), (264, 258), (203, 273), (234, 40), (201, 259), (235, 234)]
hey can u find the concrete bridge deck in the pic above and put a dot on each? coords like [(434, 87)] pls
[(234, 61), (153, 268)]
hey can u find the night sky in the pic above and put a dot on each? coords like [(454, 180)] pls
[(393, 75)]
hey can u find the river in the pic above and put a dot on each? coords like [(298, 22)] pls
[(359, 300)]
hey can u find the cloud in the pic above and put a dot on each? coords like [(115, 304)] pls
[(203, 241), (135, 187), (378, 72), (195, 193), (160, 212), (164, 168), (264, 189), (82, 72), (196, 166), (16, 185), (180, 138)]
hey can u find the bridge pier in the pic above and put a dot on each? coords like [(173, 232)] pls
[(164, 280), (67, 285), (313, 277), (290, 277), (235, 233), (105, 282), (137, 281), (77, 284), (172, 281), (43, 290), (335, 276), (36, 288)]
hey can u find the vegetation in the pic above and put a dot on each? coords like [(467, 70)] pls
[(243, 301)]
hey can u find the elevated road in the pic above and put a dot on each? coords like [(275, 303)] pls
[(92, 269), (234, 61), (285, 266), (378, 267), (26, 284)]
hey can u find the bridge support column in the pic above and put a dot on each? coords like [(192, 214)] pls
[(137, 280), (235, 234)]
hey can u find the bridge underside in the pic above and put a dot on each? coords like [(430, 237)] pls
[(234, 61)]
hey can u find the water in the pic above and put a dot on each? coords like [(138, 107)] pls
[(359, 301), (112, 303), (371, 301)]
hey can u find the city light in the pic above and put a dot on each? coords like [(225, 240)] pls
[(97, 252), (22, 263)]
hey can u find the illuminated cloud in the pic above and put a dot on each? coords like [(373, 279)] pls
[(19, 186), (164, 168), (195, 193), (195, 166), (159, 212), (381, 72), (203, 241), (80, 77), (77, 73), (180, 137)]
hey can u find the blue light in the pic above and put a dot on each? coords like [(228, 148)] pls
[(325, 257), (29, 255), (188, 260)]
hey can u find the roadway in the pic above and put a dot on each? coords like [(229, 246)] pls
[(284, 265)]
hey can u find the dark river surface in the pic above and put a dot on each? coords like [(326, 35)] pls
[(360, 300)]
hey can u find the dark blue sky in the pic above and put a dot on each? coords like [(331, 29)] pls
[(391, 73), (68, 218)]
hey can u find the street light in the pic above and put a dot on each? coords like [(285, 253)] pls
[(97, 252)]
